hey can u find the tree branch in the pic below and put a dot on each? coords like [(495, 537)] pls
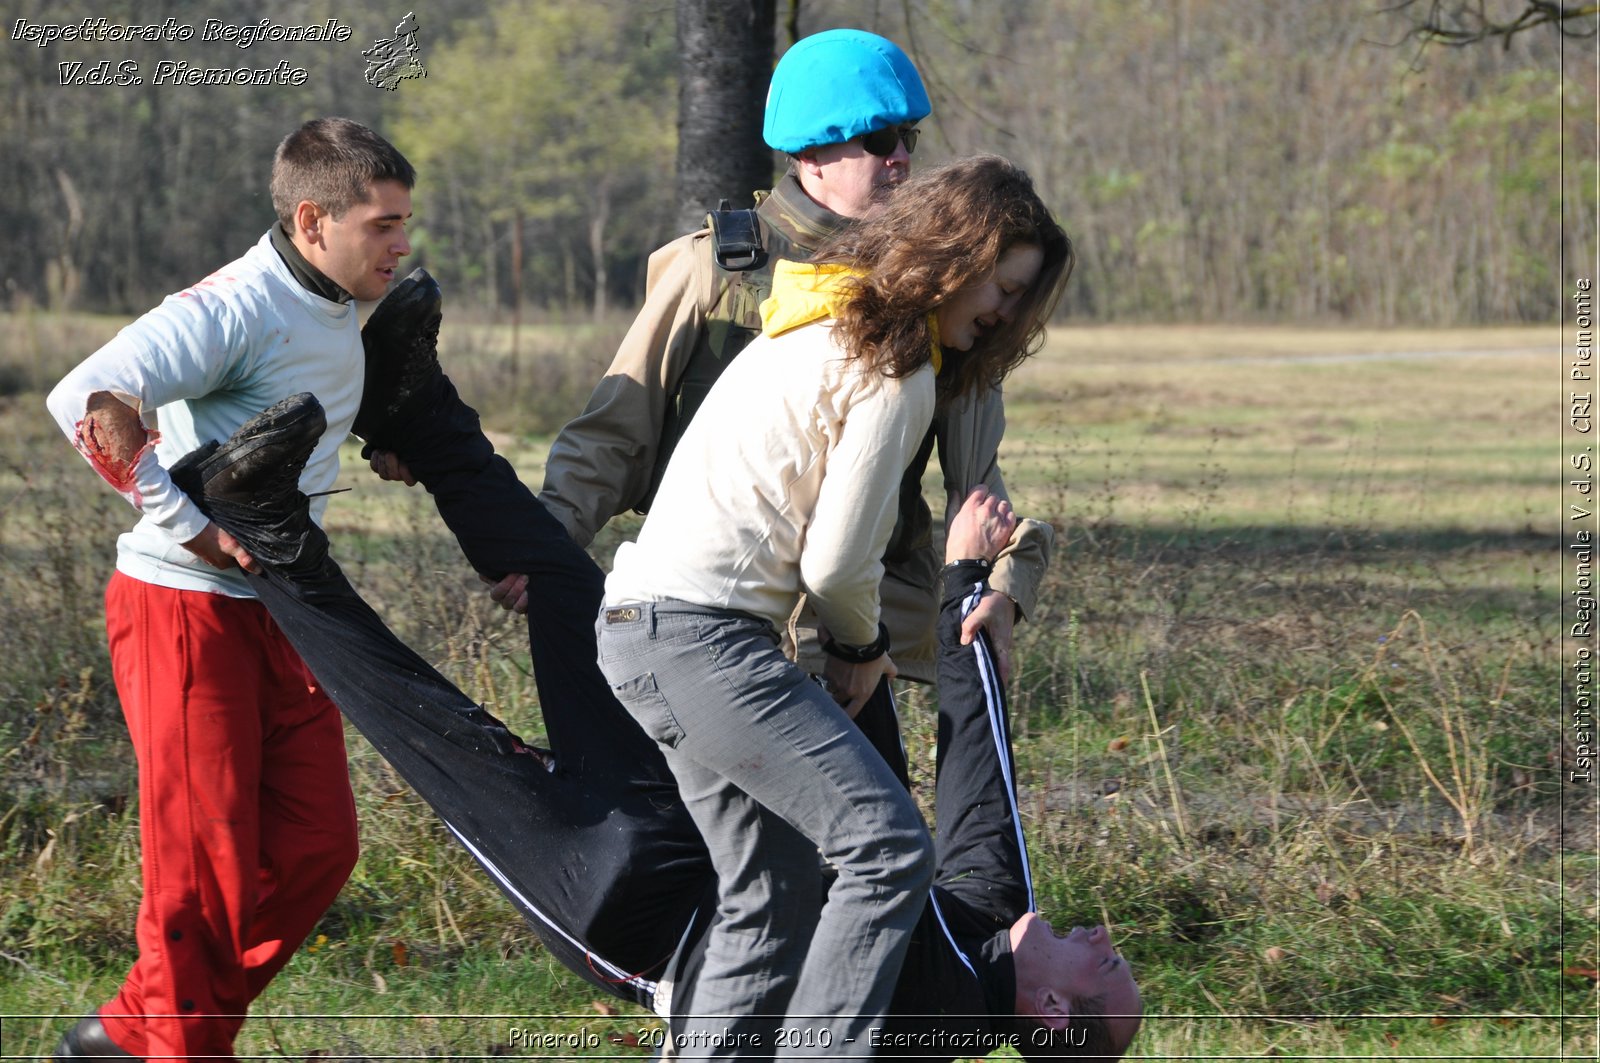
[(1458, 23)]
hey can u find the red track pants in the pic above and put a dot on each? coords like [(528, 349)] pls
[(246, 818)]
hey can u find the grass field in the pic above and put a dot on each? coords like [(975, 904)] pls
[(1288, 715)]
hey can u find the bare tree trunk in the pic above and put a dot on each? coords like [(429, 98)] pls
[(725, 48), (569, 276), (597, 245), (516, 288), (492, 278), (64, 272)]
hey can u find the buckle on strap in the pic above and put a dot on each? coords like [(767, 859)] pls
[(735, 239)]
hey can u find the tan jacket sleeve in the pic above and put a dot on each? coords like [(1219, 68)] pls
[(969, 454), (600, 464)]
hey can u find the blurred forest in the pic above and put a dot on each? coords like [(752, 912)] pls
[(1215, 160)]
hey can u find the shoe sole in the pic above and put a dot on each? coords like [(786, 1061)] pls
[(417, 298), (417, 286), (301, 418)]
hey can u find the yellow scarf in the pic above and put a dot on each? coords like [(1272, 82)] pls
[(803, 293)]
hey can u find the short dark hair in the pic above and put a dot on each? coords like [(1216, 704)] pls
[(1085, 1037), (332, 162)]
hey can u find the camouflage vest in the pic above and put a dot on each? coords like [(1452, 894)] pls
[(791, 226)]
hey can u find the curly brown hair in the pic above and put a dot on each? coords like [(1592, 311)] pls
[(942, 231)]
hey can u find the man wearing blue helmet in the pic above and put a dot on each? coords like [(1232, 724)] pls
[(843, 104), (850, 146)]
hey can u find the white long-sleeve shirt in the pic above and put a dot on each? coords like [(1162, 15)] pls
[(196, 368), (785, 482)]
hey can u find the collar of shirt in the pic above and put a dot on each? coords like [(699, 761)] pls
[(803, 293), (997, 974), (310, 277), (802, 219)]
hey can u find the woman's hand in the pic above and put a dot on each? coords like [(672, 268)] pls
[(852, 684)]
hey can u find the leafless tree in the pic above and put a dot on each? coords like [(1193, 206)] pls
[(1462, 22)]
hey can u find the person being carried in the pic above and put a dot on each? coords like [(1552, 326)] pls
[(246, 820), (587, 837)]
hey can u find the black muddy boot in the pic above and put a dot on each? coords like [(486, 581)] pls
[(250, 485), (401, 341)]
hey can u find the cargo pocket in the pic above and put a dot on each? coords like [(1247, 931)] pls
[(645, 703)]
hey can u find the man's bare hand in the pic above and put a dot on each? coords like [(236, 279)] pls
[(982, 527), (852, 684), (388, 466), (220, 550), (510, 593), (996, 614)]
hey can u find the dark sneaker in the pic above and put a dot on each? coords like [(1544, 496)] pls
[(250, 485), (88, 1039), (401, 340)]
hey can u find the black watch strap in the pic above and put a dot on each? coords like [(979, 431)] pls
[(859, 654)]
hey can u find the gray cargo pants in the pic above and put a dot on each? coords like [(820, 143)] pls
[(772, 770)]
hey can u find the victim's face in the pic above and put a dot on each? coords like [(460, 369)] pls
[(1079, 964)]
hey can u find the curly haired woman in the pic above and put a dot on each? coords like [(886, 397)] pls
[(785, 484)]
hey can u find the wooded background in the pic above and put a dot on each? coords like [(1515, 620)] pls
[(1214, 160)]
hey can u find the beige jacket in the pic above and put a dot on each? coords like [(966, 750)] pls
[(787, 485), (600, 465)]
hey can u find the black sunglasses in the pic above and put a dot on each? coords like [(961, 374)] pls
[(881, 142)]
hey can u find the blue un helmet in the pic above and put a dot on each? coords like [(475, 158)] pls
[(839, 84)]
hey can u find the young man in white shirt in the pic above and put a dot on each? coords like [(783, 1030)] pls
[(247, 822)]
